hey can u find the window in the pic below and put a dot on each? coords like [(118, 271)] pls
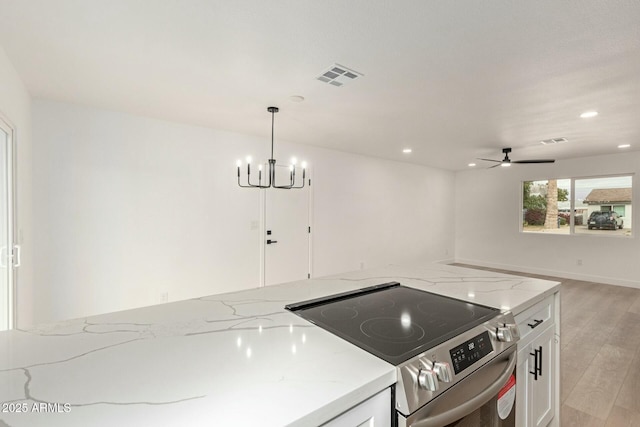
[(597, 206), (541, 211), (606, 203)]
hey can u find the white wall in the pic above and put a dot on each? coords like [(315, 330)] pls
[(488, 215), (15, 106), (126, 208), (371, 212)]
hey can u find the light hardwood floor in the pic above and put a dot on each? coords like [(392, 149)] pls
[(600, 353)]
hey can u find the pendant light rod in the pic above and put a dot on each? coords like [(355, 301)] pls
[(271, 173), (273, 111)]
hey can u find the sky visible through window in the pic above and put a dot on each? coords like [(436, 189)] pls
[(584, 186)]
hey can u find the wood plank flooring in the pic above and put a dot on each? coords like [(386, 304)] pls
[(600, 353)]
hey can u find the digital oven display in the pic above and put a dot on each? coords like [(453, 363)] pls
[(470, 352)]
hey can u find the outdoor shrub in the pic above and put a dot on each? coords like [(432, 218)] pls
[(535, 216), (566, 218)]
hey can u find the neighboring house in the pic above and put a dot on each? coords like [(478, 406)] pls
[(611, 199)]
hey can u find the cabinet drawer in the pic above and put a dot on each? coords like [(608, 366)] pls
[(535, 319)]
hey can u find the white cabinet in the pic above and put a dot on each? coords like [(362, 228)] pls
[(538, 370), (535, 378), (373, 412)]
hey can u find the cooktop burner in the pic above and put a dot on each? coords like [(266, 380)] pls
[(392, 321)]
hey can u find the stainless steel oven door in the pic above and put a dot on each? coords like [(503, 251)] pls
[(486, 398)]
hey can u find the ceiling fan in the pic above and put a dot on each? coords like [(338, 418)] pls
[(507, 161)]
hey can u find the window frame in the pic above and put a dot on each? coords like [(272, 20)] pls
[(572, 204)]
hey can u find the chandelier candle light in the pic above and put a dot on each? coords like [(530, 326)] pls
[(271, 173)]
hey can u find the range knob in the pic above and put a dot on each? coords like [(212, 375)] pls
[(443, 371), (428, 380), (507, 333)]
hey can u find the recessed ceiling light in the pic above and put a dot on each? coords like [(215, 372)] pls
[(296, 98), (471, 164), (588, 114), (624, 145), (407, 150)]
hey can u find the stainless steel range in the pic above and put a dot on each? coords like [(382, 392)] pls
[(455, 360)]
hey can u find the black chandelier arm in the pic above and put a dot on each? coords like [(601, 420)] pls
[(259, 185), (292, 178), (244, 186), (271, 179), (282, 187), (239, 183), (304, 178), (289, 187), (249, 184)]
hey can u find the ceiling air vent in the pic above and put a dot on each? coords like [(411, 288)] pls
[(554, 141), (339, 75)]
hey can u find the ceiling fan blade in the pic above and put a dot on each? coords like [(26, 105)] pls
[(534, 161), (494, 166), (490, 160)]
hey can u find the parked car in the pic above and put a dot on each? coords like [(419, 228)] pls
[(602, 219)]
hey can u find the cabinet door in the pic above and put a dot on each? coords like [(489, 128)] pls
[(373, 412), (523, 384), (541, 391)]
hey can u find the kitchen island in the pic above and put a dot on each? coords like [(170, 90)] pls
[(231, 359)]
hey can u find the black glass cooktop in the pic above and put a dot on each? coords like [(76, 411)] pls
[(392, 321)]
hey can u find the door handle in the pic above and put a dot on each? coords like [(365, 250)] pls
[(537, 364), (535, 324), (271, 242)]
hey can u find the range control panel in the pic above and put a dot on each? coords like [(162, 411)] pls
[(430, 374), (471, 351)]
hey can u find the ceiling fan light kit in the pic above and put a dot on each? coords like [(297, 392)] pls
[(270, 180), (506, 162)]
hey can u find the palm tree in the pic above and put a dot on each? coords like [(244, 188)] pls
[(551, 219)]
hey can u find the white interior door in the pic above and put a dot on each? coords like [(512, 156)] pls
[(287, 237), (6, 227)]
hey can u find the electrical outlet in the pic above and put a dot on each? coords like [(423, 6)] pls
[(579, 262), (254, 225), (164, 297), (362, 266)]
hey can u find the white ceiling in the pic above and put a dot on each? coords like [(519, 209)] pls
[(454, 80)]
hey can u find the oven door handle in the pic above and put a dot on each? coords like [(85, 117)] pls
[(462, 409)]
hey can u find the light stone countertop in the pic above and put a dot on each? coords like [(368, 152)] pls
[(232, 359)]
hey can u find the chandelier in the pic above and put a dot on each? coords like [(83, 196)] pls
[(270, 179)]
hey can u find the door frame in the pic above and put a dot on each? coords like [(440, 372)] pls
[(9, 128), (263, 230)]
